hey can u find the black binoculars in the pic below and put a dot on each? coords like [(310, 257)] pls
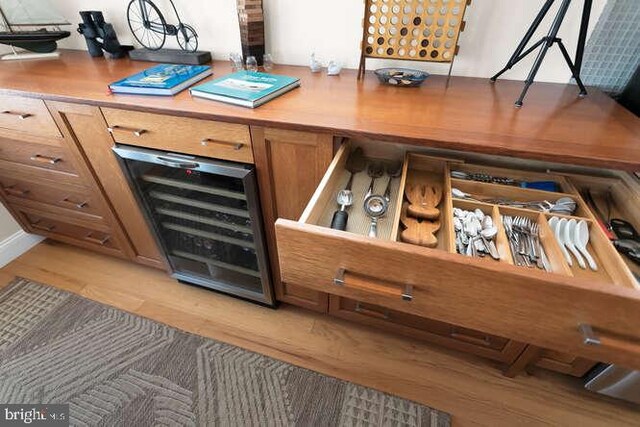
[(100, 35)]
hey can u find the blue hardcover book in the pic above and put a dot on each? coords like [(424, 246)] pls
[(163, 79), (246, 88)]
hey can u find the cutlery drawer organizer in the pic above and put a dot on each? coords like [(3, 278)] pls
[(486, 197)]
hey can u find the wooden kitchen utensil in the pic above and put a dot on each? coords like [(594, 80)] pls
[(423, 199), (418, 232)]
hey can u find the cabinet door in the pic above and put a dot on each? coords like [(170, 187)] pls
[(290, 165), (90, 131)]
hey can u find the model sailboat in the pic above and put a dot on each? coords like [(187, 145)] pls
[(32, 25)]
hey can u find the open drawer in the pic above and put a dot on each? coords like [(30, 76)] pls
[(592, 314)]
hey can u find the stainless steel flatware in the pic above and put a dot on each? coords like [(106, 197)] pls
[(394, 170), (375, 170), (375, 206)]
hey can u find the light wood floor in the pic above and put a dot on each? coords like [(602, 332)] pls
[(471, 389)]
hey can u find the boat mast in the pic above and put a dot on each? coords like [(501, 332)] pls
[(6, 21)]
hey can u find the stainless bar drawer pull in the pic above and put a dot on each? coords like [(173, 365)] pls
[(21, 116), (407, 294), (136, 132), (588, 336), (236, 145), (45, 159)]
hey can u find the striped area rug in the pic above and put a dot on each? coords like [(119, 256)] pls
[(115, 368)]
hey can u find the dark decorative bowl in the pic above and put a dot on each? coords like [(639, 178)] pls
[(404, 77)]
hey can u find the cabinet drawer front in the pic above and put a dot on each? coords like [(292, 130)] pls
[(18, 190), (38, 155), (181, 135), (27, 115), (525, 305), (70, 230), (447, 335)]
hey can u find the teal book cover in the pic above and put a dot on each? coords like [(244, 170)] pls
[(163, 76), (246, 85)]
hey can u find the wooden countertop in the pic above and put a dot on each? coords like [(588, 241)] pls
[(470, 114)]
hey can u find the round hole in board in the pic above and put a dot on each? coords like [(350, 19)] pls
[(390, 51), (439, 32), (408, 9), (395, 9), (443, 10), (446, 55), (428, 21), (414, 43), (434, 53), (404, 31), (426, 32), (405, 20), (369, 49), (403, 42), (436, 44), (384, 8), (416, 32), (372, 19), (393, 31), (448, 44), (423, 53), (373, 8), (424, 43), (401, 52), (380, 51), (419, 10), (392, 41), (413, 52), (394, 20), (431, 10), (451, 33), (380, 40), (417, 20), (455, 10), (453, 22), (383, 19), (371, 30), (370, 40), (382, 30), (440, 22)]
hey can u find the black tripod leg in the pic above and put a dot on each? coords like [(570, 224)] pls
[(550, 39), (574, 70), (582, 38), (527, 37)]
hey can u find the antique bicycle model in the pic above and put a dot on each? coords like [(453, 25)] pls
[(150, 28)]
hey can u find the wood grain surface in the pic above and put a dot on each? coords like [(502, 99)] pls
[(469, 114)]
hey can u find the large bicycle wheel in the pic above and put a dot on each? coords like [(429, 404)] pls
[(187, 38), (150, 33)]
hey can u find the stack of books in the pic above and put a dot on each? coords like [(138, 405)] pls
[(163, 79), (246, 88)]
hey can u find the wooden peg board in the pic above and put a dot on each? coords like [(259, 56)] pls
[(415, 30)]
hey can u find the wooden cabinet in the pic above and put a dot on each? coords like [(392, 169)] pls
[(47, 184), (290, 166), (591, 316), (415, 327), (26, 116), (564, 363), (91, 137), (206, 138)]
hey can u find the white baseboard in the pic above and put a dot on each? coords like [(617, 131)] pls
[(17, 244)]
